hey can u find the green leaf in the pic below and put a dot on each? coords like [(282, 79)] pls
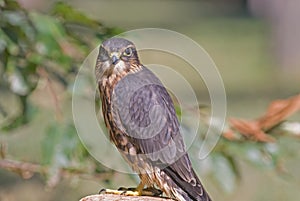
[(3, 44), (62, 146), (14, 18), (49, 144), (224, 172), (18, 26), (26, 114), (70, 14), (11, 36), (2, 3), (11, 5), (47, 25)]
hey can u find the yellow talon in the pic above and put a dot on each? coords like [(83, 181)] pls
[(138, 191), (131, 193), (110, 191)]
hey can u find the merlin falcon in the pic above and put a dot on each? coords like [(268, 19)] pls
[(141, 121)]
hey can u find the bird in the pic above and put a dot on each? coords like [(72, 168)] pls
[(142, 123)]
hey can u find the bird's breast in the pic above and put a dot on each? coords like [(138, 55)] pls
[(116, 134)]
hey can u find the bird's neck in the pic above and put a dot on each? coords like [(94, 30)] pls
[(111, 79)]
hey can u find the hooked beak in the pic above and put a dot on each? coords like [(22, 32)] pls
[(114, 59)]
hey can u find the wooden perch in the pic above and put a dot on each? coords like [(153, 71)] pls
[(112, 197)]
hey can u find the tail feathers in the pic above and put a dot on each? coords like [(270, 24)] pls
[(190, 191)]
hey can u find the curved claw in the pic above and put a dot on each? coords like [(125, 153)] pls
[(150, 191), (102, 191)]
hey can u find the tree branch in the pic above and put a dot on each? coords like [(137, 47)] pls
[(27, 170)]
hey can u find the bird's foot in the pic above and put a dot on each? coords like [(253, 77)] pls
[(150, 191), (133, 191), (119, 192)]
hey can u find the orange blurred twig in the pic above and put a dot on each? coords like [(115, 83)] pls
[(277, 112)]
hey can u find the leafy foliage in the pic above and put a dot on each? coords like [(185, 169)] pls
[(31, 43), (35, 46)]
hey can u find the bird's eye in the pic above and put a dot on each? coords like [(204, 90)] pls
[(128, 52), (103, 55)]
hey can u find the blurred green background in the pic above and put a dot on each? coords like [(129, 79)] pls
[(255, 45)]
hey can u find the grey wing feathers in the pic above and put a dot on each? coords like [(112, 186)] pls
[(189, 183), (147, 115), (146, 112)]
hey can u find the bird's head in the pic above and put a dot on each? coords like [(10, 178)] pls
[(116, 56)]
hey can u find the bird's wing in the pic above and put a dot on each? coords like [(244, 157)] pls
[(146, 113)]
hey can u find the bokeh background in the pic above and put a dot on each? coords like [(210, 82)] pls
[(256, 47)]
